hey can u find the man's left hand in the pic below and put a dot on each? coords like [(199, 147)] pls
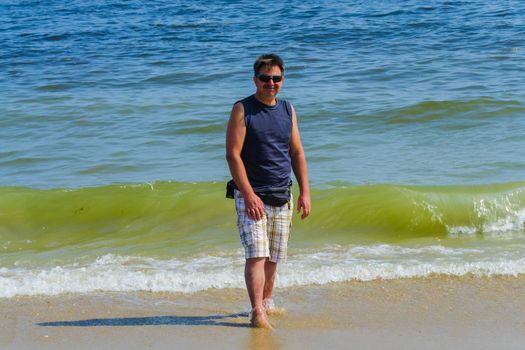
[(303, 202)]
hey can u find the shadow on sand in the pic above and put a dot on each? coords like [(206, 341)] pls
[(214, 320)]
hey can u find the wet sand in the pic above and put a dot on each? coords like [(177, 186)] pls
[(430, 313)]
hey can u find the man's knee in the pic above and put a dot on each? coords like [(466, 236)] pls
[(256, 261), (269, 263)]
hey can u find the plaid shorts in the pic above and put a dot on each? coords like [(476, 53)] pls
[(267, 237)]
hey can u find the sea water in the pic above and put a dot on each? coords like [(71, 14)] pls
[(112, 127)]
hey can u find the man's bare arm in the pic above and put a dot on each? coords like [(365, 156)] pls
[(300, 169), (235, 135)]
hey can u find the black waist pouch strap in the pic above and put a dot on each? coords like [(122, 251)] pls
[(276, 198)]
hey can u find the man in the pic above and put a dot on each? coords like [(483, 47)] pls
[(262, 147)]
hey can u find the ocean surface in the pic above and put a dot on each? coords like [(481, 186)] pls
[(112, 128)]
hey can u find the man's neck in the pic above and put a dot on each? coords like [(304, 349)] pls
[(270, 101)]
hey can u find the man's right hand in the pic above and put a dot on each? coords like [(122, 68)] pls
[(254, 206)]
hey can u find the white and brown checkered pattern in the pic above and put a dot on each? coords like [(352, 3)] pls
[(267, 237)]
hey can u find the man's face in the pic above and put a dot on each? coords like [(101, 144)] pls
[(270, 88)]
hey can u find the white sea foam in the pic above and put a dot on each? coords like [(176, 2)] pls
[(500, 217), (508, 226), (331, 264)]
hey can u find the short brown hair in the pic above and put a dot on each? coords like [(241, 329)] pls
[(268, 60)]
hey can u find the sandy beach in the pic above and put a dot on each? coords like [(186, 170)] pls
[(430, 313)]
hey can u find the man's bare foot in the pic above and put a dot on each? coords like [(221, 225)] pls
[(258, 319)]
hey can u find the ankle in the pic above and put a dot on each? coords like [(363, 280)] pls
[(258, 310), (267, 303)]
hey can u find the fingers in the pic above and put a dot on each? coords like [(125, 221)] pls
[(254, 208), (305, 206), (306, 212), (255, 213)]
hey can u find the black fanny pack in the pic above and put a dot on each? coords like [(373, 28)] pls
[(276, 197), (230, 189)]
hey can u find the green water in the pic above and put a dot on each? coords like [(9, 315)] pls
[(166, 219)]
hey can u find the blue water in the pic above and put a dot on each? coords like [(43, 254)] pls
[(411, 115), (386, 92)]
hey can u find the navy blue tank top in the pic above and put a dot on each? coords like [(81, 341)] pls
[(266, 149)]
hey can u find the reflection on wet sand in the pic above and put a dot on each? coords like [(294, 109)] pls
[(262, 339)]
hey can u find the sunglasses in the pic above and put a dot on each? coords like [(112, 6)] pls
[(266, 78)]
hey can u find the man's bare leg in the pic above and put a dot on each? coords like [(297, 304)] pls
[(270, 269), (254, 275)]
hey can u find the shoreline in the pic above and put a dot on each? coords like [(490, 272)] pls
[(433, 313)]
